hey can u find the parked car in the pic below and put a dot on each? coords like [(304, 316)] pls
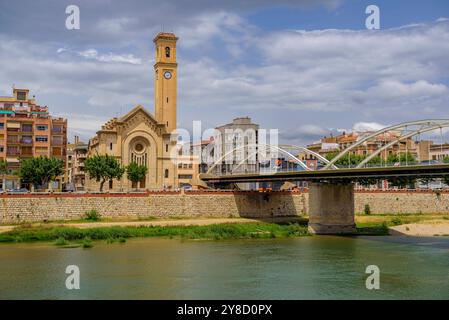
[(18, 190), (430, 162)]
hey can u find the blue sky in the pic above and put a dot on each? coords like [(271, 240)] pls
[(347, 15), (307, 68)]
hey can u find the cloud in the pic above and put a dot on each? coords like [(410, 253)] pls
[(110, 57), (300, 81), (367, 126)]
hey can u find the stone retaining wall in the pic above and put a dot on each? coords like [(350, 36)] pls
[(40, 207)]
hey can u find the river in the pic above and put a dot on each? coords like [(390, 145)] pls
[(318, 267)]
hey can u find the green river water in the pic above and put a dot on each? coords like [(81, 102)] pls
[(318, 267)]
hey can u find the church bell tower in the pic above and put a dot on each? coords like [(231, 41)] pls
[(165, 80)]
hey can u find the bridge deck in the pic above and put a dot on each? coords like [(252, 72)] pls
[(418, 171)]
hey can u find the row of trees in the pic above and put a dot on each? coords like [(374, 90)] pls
[(355, 159), (40, 171), (105, 167)]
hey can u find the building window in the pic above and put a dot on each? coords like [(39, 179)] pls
[(110, 146), (166, 148), (166, 173), (185, 176), (21, 95), (2, 125), (167, 52), (41, 127), (2, 148), (179, 165), (27, 127), (41, 138), (111, 184)]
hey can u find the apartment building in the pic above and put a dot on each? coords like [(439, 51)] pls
[(76, 155), (235, 146), (28, 130)]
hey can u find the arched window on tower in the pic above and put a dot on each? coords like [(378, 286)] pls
[(167, 52), (166, 173)]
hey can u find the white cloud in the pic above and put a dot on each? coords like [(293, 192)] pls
[(367, 126), (109, 57)]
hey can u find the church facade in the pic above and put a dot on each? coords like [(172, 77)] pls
[(141, 137)]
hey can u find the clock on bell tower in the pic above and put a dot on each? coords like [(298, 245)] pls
[(165, 80)]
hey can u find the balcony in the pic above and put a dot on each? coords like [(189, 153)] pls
[(26, 141), (26, 154), (12, 140), (56, 142)]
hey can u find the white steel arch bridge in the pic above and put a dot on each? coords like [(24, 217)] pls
[(403, 132)]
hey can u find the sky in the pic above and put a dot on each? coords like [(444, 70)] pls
[(307, 68)]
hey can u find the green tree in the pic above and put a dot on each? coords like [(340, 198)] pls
[(102, 168), (403, 158), (347, 160), (136, 172), (3, 171), (446, 159), (40, 171)]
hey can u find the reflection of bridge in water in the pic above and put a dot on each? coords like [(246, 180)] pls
[(331, 189)]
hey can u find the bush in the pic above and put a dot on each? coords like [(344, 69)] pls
[(92, 215), (87, 243), (61, 242), (396, 221), (367, 209)]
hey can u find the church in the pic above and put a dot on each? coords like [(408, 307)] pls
[(141, 137)]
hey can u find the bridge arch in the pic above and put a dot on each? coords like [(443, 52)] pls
[(282, 149), (424, 126)]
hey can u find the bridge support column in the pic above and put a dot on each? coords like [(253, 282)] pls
[(331, 208)]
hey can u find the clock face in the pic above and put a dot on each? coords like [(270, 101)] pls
[(167, 75)]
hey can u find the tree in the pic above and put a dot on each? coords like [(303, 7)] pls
[(136, 172), (3, 171), (102, 168), (40, 171), (446, 159), (403, 158)]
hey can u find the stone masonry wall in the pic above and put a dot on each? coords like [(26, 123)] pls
[(40, 207)]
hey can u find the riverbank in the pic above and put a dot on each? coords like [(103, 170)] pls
[(63, 235), (82, 232), (394, 224)]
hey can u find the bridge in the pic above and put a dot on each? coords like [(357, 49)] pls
[(331, 187), (430, 171)]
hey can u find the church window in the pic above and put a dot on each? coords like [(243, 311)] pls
[(166, 148), (139, 147), (167, 52), (110, 146), (111, 184), (166, 173)]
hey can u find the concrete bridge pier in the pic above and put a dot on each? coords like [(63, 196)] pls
[(331, 208)]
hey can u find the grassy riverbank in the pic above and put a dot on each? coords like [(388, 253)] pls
[(379, 224), (64, 235), (83, 234)]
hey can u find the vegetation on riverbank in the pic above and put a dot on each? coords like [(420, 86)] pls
[(67, 236), (379, 224), (64, 235)]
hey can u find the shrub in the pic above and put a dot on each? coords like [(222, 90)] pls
[(396, 221), (367, 209), (61, 242), (92, 215), (87, 243)]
